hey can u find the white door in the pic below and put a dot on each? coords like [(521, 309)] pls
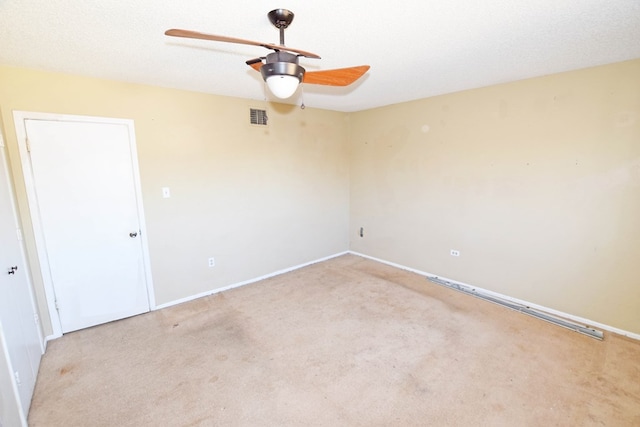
[(17, 310), (85, 181)]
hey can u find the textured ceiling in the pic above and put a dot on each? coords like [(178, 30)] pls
[(416, 50)]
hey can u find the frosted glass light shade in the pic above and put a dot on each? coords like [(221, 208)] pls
[(283, 86)]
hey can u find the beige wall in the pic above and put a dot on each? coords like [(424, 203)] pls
[(536, 183), (257, 199)]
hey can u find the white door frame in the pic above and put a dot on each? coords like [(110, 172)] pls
[(18, 118)]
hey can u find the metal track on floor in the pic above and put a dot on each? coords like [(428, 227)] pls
[(593, 333)]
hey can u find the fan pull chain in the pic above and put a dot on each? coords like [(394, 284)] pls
[(302, 106), (266, 101)]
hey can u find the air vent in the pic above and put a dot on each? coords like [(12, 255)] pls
[(258, 117)]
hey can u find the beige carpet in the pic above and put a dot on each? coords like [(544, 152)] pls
[(347, 342)]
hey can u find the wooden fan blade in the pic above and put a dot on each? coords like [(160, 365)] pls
[(256, 64), (337, 77), (203, 36)]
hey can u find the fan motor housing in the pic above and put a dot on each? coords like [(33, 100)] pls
[(281, 56), (282, 63)]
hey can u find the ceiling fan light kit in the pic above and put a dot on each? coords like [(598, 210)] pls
[(283, 86), (282, 74), (281, 70)]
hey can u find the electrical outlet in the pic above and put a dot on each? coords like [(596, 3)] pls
[(455, 253), (361, 231), (212, 262), (166, 192)]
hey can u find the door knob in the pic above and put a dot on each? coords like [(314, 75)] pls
[(133, 234), (12, 270)]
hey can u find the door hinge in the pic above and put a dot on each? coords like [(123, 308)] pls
[(28, 145), (36, 318), (55, 302)]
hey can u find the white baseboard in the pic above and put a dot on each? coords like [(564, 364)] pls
[(50, 338), (537, 307), (246, 282)]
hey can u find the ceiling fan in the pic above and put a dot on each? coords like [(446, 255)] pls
[(280, 69)]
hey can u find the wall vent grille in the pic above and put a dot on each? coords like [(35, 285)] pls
[(258, 117)]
